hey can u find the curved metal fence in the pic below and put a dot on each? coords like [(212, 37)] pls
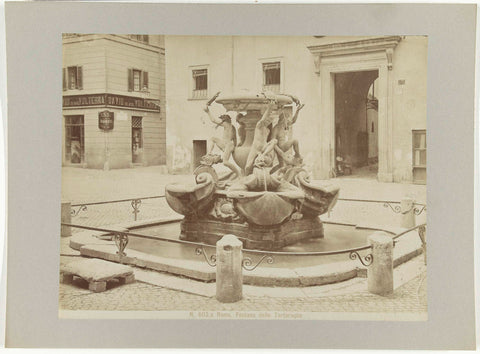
[(121, 239), (97, 216)]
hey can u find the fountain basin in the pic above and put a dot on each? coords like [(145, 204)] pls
[(251, 101), (267, 220), (286, 270)]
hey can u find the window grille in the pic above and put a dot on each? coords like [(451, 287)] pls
[(200, 83), (200, 77), (271, 77), (136, 122)]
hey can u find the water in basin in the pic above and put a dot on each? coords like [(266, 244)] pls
[(337, 237)]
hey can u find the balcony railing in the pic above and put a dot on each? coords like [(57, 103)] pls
[(272, 88), (199, 94)]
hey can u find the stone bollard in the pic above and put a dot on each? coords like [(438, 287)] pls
[(407, 206), (66, 217), (380, 272), (229, 269)]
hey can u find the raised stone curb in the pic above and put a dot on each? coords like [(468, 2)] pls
[(407, 247), (191, 269), (326, 274)]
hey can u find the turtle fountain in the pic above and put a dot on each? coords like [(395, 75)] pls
[(267, 198)]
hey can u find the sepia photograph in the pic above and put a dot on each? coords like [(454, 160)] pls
[(243, 177)]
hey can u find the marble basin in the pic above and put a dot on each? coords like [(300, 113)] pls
[(251, 101)]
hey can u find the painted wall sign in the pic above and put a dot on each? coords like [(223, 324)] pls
[(105, 120), (109, 100)]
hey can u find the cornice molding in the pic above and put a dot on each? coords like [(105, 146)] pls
[(114, 38), (385, 43)]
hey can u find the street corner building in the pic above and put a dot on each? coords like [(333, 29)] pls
[(365, 98), (113, 100)]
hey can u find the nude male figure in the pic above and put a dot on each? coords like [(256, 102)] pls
[(242, 132), (228, 141), (280, 133), (260, 144)]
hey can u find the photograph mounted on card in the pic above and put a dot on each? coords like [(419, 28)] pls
[(263, 191)]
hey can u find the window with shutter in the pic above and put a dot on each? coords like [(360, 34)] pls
[(79, 78), (130, 80), (145, 80), (64, 79), (137, 80), (72, 77)]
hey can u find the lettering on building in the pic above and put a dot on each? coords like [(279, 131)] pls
[(109, 100)]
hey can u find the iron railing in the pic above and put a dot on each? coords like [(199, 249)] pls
[(111, 212), (135, 203), (418, 208), (121, 238), (121, 241)]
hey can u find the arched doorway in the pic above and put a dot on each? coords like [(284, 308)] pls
[(356, 124), (366, 55)]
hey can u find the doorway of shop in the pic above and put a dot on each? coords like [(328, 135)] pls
[(356, 124), (74, 139), (137, 140)]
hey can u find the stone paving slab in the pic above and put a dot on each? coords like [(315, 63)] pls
[(96, 269), (96, 272)]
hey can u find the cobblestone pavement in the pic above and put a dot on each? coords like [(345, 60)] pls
[(409, 298)]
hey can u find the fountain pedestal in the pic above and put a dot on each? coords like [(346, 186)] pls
[(252, 236)]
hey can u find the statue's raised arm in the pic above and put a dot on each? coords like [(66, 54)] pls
[(214, 120), (214, 97), (299, 108)]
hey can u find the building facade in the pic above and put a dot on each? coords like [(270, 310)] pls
[(113, 100), (365, 97)]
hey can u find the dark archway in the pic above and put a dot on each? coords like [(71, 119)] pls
[(356, 121)]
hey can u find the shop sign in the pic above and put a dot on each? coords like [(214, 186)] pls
[(109, 100), (105, 120)]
